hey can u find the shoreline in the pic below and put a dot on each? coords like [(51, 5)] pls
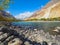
[(34, 37), (40, 21)]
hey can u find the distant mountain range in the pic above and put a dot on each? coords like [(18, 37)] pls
[(5, 16), (51, 10)]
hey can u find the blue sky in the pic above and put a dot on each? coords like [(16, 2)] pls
[(21, 6)]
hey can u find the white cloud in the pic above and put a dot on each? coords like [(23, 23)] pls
[(24, 15), (8, 11)]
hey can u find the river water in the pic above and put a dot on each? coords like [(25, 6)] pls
[(38, 25)]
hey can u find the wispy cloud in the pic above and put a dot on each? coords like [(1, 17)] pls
[(8, 11), (24, 15)]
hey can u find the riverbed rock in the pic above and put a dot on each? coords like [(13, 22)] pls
[(26, 43), (2, 37), (1, 33), (54, 44), (44, 43), (15, 41)]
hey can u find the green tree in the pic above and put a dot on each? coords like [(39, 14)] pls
[(4, 4)]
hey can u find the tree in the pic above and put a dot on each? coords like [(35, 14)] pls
[(4, 4)]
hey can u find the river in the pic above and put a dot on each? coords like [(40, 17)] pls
[(38, 25)]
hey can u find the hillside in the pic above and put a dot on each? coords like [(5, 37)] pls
[(51, 10), (4, 16)]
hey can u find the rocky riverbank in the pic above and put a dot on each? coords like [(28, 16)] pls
[(10, 36), (16, 35)]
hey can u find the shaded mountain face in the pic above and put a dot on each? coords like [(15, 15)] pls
[(51, 10), (5, 16)]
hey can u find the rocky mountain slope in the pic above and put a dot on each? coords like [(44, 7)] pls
[(4, 16), (51, 10)]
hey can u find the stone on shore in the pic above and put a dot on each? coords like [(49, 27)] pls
[(15, 41), (26, 43), (3, 36)]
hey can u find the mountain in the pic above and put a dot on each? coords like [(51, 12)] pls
[(51, 10), (5, 16)]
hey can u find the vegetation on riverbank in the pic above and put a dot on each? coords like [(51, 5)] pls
[(45, 19)]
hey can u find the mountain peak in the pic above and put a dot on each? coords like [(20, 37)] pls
[(51, 10)]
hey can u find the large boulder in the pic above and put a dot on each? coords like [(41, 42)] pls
[(15, 41)]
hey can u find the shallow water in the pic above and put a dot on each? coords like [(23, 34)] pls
[(38, 25)]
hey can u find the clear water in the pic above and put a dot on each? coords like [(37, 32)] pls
[(38, 25)]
